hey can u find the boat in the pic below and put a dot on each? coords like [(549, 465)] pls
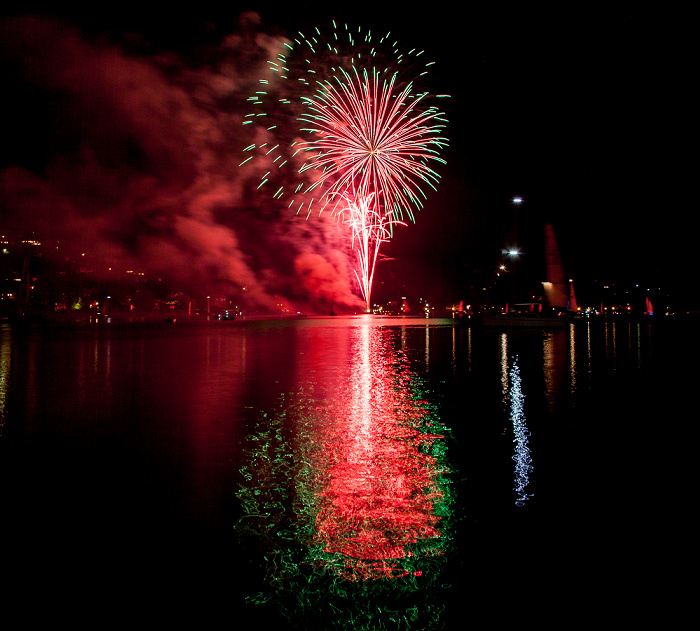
[(223, 315), (462, 314), (649, 307), (527, 319)]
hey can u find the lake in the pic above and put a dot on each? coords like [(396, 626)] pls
[(330, 473)]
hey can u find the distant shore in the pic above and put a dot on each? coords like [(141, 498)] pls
[(81, 318)]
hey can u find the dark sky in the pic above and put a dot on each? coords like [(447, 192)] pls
[(568, 108)]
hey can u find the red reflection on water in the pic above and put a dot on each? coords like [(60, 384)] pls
[(379, 480)]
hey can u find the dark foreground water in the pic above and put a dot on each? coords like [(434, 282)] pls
[(333, 473)]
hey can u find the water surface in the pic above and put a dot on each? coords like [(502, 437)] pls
[(325, 473)]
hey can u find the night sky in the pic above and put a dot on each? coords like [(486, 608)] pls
[(123, 136)]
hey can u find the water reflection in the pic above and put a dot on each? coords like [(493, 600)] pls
[(5, 362), (522, 458), (323, 445), (572, 359), (346, 482), (610, 344), (556, 355), (503, 360), (513, 400), (378, 471)]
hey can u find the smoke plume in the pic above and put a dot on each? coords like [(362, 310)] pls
[(134, 158)]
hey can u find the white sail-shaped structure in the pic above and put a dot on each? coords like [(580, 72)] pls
[(555, 286)]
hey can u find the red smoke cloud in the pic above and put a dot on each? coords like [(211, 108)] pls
[(135, 158)]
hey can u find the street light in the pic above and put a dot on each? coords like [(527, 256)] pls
[(516, 202)]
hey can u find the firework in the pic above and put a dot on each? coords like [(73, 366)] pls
[(371, 137), (370, 228), (342, 121)]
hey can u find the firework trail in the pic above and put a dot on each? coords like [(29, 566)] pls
[(370, 229), (348, 127)]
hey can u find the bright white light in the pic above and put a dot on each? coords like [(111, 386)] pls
[(517, 200), (522, 457), (513, 252)]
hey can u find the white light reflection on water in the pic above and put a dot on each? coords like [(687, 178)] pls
[(522, 458), (503, 356), (572, 359), (588, 351), (427, 347), (513, 398)]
